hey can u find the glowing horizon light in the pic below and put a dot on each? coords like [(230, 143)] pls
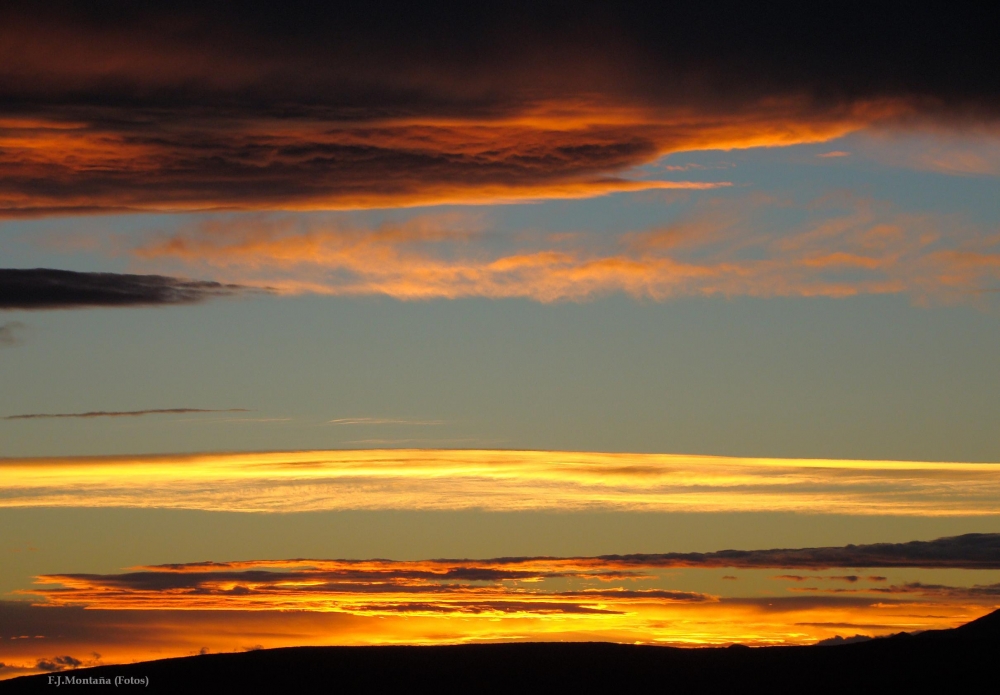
[(171, 610), (123, 636)]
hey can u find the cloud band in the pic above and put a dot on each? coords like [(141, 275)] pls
[(45, 288)]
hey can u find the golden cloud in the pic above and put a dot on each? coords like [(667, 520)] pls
[(500, 481)]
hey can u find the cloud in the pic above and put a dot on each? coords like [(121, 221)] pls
[(969, 551), (963, 592), (834, 641), (45, 288), (970, 152), (501, 584), (384, 421), (421, 441), (9, 333), (365, 587), (941, 591), (872, 626), (123, 413), (58, 663), (500, 480), (848, 246), (267, 166), (360, 104), (852, 578)]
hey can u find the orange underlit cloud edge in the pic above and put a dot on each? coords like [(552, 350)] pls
[(569, 149)]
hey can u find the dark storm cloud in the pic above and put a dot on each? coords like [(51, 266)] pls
[(45, 288), (58, 663), (124, 413), (353, 61), (122, 105)]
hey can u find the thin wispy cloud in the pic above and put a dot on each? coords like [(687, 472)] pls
[(848, 246), (914, 589), (853, 578), (424, 441), (384, 421), (968, 152), (124, 413)]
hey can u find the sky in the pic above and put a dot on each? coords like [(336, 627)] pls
[(438, 313)]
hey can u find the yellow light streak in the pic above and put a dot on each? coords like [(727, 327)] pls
[(501, 481)]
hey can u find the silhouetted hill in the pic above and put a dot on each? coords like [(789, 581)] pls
[(936, 661), (985, 628)]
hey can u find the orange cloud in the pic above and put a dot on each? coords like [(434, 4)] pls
[(369, 587), (611, 584), (852, 246), (500, 481), (559, 150)]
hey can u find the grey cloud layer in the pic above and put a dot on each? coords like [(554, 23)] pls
[(124, 413), (45, 288), (970, 551)]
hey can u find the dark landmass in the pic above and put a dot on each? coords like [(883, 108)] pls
[(955, 660)]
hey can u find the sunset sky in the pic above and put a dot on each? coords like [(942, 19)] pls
[(353, 323)]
